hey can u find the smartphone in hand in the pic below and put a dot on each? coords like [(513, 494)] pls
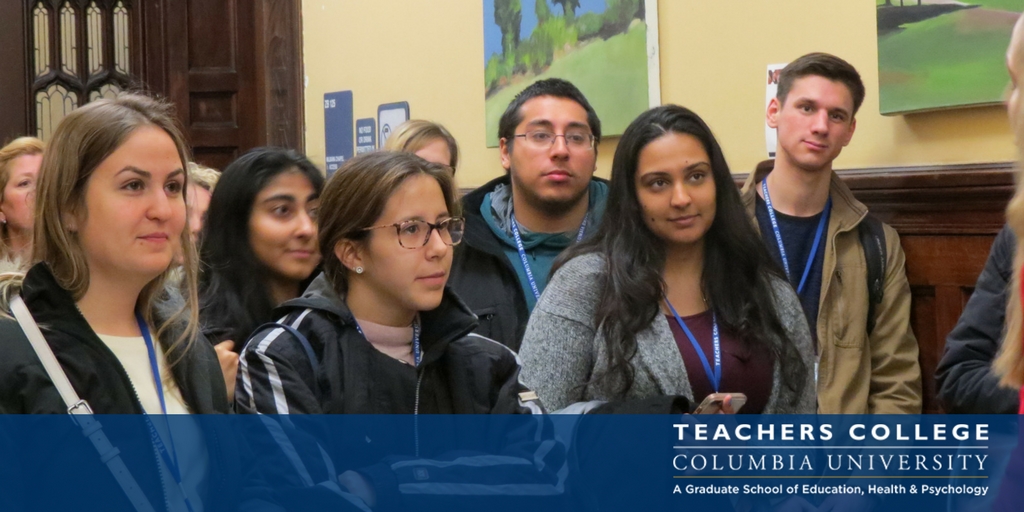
[(712, 404)]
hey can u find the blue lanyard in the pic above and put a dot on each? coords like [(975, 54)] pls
[(526, 262), (169, 458), (715, 377), (416, 354), (782, 248)]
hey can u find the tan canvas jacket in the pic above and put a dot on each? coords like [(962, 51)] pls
[(857, 375)]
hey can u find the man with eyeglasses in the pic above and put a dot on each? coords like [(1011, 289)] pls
[(548, 199)]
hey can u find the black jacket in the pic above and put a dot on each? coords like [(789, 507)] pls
[(99, 378), (483, 277), (460, 373), (964, 376)]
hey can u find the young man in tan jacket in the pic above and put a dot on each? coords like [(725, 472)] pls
[(810, 222)]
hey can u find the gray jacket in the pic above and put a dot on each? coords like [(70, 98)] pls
[(563, 347)]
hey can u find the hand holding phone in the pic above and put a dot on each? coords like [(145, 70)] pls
[(721, 402)]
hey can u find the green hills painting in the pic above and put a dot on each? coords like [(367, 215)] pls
[(938, 54), (599, 45)]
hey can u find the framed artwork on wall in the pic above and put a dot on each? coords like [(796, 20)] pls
[(940, 54), (607, 48)]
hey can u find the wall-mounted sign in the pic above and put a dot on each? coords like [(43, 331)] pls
[(337, 129), (389, 116), (366, 135)]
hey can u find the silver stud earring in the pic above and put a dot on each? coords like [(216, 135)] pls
[(359, 270)]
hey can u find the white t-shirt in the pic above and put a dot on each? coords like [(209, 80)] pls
[(187, 441)]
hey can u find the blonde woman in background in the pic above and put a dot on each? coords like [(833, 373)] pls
[(202, 181), (427, 140), (19, 168), (1009, 365)]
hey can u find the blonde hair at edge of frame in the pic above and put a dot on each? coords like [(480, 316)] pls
[(82, 140), (1009, 364), (22, 146), (415, 134)]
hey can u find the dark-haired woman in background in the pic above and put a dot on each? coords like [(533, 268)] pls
[(674, 273), (259, 244)]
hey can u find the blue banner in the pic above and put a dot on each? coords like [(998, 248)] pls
[(520, 463)]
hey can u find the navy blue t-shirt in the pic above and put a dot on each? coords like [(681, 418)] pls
[(798, 238)]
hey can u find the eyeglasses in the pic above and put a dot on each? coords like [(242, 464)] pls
[(413, 234), (544, 140)]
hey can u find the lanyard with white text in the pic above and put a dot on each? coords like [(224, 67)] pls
[(782, 248), (416, 354), (522, 252), (170, 459), (715, 377)]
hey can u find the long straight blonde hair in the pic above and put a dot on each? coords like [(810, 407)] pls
[(1009, 364), (83, 140)]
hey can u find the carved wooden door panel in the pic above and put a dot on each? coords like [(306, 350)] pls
[(234, 72)]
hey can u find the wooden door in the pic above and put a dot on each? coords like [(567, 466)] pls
[(234, 71)]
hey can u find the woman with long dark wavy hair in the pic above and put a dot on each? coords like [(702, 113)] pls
[(674, 295), (259, 244)]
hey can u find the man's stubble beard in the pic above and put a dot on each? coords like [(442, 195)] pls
[(548, 207)]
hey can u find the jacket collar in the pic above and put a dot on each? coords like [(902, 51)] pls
[(51, 304), (478, 234), (451, 320), (847, 211)]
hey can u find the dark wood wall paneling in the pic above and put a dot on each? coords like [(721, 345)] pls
[(233, 69), (947, 218), (279, 72), (13, 72)]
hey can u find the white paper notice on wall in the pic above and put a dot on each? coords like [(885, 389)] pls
[(772, 87)]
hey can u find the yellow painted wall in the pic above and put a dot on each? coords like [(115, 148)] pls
[(713, 58)]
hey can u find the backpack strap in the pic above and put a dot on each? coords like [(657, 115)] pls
[(313, 361), (872, 239)]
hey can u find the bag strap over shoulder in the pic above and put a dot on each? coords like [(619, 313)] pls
[(872, 239), (60, 379), (79, 409), (313, 361)]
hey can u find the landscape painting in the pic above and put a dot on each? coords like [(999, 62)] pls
[(600, 45), (938, 54)]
